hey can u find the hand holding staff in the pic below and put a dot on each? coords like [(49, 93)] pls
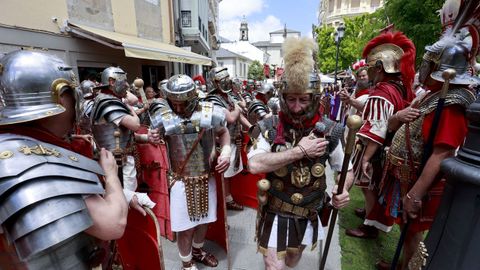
[(354, 122)]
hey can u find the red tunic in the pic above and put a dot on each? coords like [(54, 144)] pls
[(384, 100), (451, 132)]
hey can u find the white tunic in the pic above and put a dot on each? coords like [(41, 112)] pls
[(179, 218)]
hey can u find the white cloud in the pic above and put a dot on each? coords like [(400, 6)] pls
[(231, 13), (230, 9)]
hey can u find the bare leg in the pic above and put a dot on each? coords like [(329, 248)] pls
[(226, 185), (370, 198), (292, 259), (184, 241), (410, 246), (231, 204), (272, 262), (200, 232)]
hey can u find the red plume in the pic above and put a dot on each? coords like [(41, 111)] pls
[(199, 78), (407, 62)]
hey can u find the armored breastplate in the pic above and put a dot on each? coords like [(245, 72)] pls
[(300, 183), (410, 136), (201, 157), (106, 110), (42, 207), (191, 154)]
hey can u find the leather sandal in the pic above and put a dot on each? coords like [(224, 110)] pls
[(363, 231), (189, 266), (233, 205), (202, 256)]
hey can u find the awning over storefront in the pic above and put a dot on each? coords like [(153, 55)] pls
[(139, 47)]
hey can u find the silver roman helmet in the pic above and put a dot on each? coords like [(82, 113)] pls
[(31, 83), (455, 56), (121, 85), (220, 79), (86, 86), (181, 88)]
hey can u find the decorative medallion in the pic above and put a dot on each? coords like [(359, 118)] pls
[(278, 184), (300, 177), (6, 154), (296, 198), (281, 172), (318, 170), (317, 184)]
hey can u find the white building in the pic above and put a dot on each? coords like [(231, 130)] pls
[(332, 12), (243, 46), (273, 47), (236, 64)]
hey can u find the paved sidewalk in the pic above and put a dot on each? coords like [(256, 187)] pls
[(243, 248)]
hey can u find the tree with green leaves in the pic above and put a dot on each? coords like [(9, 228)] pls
[(255, 71), (358, 31), (419, 20)]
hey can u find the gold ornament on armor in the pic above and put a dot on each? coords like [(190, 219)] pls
[(281, 172), (300, 176), (419, 259), (296, 198), (278, 185), (318, 170), (196, 191)]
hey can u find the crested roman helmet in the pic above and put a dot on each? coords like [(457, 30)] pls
[(395, 52), (299, 77), (31, 83), (181, 88), (120, 85)]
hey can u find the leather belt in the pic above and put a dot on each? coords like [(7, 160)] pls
[(276, 204)]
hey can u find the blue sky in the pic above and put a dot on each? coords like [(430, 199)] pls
[(265, 16)]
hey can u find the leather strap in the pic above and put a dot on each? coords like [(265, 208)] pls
[(194, 145)]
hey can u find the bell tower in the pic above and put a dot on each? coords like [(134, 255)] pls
[(244, 29)]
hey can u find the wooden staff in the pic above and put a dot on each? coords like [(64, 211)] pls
[(354, 122)]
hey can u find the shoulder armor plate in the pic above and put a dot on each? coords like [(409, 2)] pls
[(216, 100), (109, 108), (42, 187)]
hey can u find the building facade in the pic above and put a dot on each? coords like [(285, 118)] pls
[(92, 35), (332, 12), (236, 64), (273, 47)]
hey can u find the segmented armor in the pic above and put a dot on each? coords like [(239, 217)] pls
[(106, 110), (191, 147), (42, 202)]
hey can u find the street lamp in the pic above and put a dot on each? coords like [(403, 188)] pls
[(338, 38)]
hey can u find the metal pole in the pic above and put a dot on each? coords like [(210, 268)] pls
[(336, 62)]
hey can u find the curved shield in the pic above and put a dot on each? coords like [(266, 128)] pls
[(140, 247)]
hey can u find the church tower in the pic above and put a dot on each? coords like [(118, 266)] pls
[(244, 30)]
